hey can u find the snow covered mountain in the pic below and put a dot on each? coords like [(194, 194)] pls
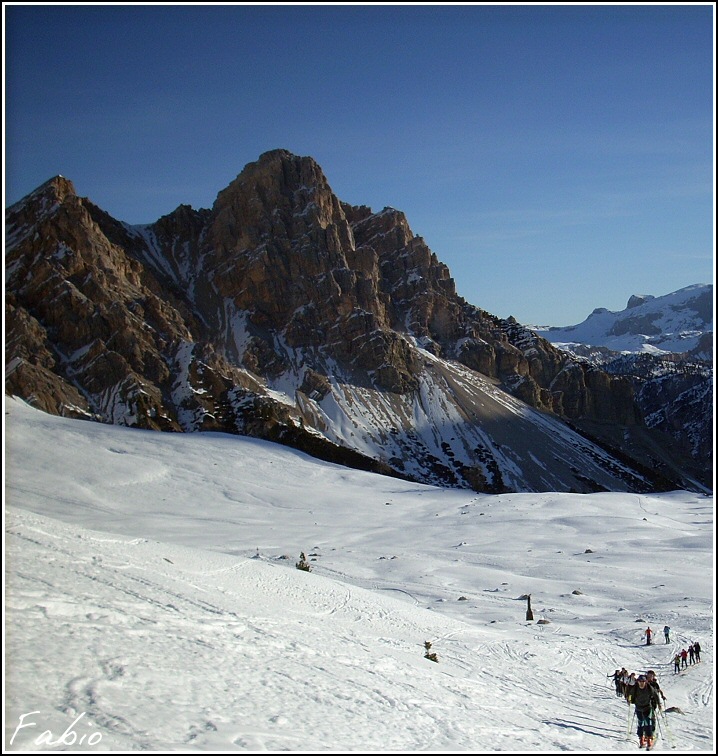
[(152, 603), (664, 345), (285, 314), (680, 322)]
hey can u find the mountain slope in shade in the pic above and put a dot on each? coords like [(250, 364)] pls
[(285, 314), (679, 322)]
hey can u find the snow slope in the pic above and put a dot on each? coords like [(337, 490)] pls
[(461, 418), (671, 323), (151, 602)]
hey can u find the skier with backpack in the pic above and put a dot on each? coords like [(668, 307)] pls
[(645, 698), (652, 680)]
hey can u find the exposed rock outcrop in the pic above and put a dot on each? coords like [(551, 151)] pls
[(284, 313)]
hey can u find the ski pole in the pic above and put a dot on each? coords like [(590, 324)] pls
[(658, 728), (629, 722), (668, 729)]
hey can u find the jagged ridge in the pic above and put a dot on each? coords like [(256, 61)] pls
[(284, 313)]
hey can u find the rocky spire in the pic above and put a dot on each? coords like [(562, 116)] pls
[(58, 186), (40, 203)]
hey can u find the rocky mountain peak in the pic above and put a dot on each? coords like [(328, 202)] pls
[(57, 188), (277, 172), (276, 197), (284, 313), (41, 203), (635, 300)]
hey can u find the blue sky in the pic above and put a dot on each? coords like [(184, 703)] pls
[(556, 158)]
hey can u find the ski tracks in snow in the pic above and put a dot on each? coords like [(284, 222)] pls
[(155, 633), (159, 646)]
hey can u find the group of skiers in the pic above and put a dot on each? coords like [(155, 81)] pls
[(644, 692), (685, 657), (625, 682), (648, 635)]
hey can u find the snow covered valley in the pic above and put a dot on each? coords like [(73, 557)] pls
[(152, 603)]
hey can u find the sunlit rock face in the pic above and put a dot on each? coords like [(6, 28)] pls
[(284, 313)]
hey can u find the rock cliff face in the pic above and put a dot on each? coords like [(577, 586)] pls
[(285, 313)]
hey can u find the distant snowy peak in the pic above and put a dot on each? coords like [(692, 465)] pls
[(679, 322), (635, 300)]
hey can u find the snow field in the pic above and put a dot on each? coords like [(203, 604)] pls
[(151, 592)]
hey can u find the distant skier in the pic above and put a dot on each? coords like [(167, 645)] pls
[(645, 699), (676, 664), (697, 651), (616, 677), (624, 677), (691, 654), (629, 683), (667, 633), (684, 659), (649, 633)]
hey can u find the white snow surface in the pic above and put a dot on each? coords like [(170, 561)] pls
[(152, 603)]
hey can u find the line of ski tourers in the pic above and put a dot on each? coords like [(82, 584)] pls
[(644, 692), (692, 655)]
